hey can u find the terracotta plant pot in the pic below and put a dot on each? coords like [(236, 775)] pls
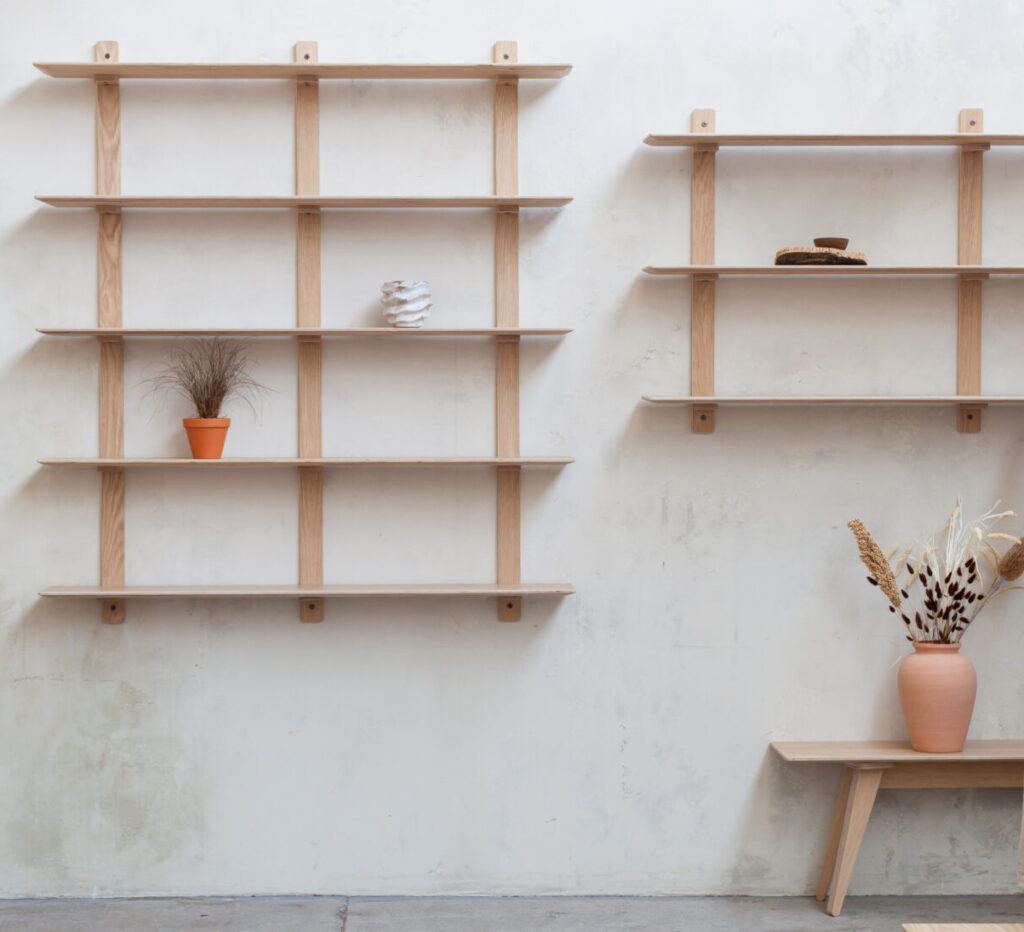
[(206, 436), (937, 688)]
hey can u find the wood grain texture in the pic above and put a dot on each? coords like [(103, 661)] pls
[(826, 140), (282, 202), (228, 71), (112, 542), (307, 268), (930, 775), (834, 835), (307, 124), (702, 292), (753, 401), (886, 752), (834, 271), (311, 540), (506, 314), (111, 396), (969, 231), (290, 462), (286, 591), (109, 295), (506, 124), (508, 544), (108, 124), (864, 783)]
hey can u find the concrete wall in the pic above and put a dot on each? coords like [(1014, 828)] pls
[(613, 742)]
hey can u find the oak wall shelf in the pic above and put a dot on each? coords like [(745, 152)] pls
[(296, 461), (352, 590), (284, 202), (967, 140), (969, 270), (496, 71), (836, 271), (307, 202), (300, 332)]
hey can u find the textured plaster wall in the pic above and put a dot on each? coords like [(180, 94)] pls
[(611, 743)]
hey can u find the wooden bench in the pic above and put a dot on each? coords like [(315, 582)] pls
[(892, 765)]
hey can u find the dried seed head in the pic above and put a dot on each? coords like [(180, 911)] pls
[(873, 558), (1012, 563)]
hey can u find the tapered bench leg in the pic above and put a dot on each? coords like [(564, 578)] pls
[(864, 783), (834, 834)]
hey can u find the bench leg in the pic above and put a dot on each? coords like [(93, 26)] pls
[(834, 834), (864, 783)]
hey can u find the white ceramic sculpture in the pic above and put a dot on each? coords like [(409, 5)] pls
[(406, 303)]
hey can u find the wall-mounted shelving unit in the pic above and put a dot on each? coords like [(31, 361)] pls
[(307, 203), (969, 270)]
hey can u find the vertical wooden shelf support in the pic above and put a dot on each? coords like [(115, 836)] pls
[(506, 314), (968, 342), (110, 314), (702, 288), (307, 265)]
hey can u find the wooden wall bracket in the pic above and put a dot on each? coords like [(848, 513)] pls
[(702, 288), (109, 303), (968, 340), (506, 314), (310, 349)]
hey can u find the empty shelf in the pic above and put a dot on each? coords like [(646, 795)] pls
[(304, 331), (853, 400), (241, 202), (350, 590), (286, 461), (835, 271), (285, 70), (704, 140)]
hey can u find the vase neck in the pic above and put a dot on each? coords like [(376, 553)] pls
[(935, 647)]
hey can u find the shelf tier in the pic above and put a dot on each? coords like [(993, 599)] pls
[(834, 271), (278, 202), (292, 461), (350, 590), (711, 140), (849, 400), (304, 332), (282, 71)]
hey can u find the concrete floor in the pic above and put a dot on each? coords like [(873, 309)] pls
[(500, 914)]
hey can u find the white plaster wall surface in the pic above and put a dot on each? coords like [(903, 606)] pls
[(614, 742)]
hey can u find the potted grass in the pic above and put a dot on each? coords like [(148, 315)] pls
[(208, 373), (938, 590)]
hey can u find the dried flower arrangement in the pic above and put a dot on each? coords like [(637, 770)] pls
[(208, 373), (945, 584)]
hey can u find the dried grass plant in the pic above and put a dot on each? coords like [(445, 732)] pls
[(949, 579), (208, 373)]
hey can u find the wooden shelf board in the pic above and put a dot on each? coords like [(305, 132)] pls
[(689, 140), (242, 202), (304, 331), (276, 70), (350, 590), (885, 751), (834, 271), (286, 461), (853, 400)]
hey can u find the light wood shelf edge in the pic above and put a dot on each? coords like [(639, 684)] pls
[(832, 271), (285, 70), (285, 201), (794, 400), (351, 590), (387, 332), (884, 751), (326, 461), (827, 140)]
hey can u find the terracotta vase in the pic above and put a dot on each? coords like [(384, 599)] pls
[(937, 687), (206, 436)]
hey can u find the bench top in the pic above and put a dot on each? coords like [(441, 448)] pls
[(964, 927), (871, 752)]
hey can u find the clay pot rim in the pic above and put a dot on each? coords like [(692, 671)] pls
[(206, 421), (936, 645)]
